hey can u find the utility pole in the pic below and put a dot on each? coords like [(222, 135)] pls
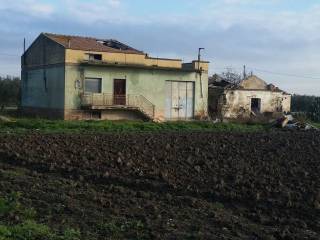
[(199, 57), (24, 75), (24, 51), (244, 72), (200, 70), (24, 45)]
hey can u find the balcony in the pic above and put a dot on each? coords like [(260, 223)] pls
[(105, 101)]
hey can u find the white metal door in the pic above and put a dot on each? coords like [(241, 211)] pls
[(179, 100), (182, 100), (190, 100), (174, 100)]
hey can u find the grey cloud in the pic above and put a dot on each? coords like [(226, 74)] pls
[(253, 40)]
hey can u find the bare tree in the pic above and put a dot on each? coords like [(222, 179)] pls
[(231, 76)]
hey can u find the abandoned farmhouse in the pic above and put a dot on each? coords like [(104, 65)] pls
[(72, 77), (251, 98)]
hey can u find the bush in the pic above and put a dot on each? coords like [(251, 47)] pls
[(9, 91), (314, 113), (307, 105)]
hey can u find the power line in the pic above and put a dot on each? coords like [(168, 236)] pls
[(9, 55), (272, 72), (285, 74), (226, 68)]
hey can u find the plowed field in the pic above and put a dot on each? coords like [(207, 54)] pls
[(169, 186)]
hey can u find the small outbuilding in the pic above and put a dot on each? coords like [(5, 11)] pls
[(252, 98)]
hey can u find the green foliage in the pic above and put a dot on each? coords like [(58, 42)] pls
[(71, 234), (317, 125), (118, 229), (308, 106), (314, 113), (10, 205), (18, 223), (22, 125), (9, 91), (5, 233), (4, 207), (31, 230), (218, 205)]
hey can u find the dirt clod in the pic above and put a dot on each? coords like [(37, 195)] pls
[(169, 185)]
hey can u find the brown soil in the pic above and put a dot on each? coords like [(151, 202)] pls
[(169, 186)]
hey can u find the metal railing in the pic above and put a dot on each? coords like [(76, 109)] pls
[(110, 100)]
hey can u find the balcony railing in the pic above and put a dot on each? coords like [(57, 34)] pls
[(105, 100)]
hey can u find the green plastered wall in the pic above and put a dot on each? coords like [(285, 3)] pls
[(40, 93), (149, 83)]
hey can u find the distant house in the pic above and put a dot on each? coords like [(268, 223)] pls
[(253, 97), (72, 77)]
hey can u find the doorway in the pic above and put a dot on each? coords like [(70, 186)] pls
[(179, 100), (256, 105), (119, 91)]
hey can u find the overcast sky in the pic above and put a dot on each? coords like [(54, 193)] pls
[(279, 40)]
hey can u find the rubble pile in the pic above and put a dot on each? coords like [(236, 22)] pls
[(289, 122)]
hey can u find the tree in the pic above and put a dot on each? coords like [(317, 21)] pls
[(9, 91), (314, 112), (231, 76), (308, 105)]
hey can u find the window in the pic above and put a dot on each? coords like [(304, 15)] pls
[(95, 57), (92, 85), (96, 115), (45, 83)]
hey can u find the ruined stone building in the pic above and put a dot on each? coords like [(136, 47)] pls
[(72, 77), (251, 98)]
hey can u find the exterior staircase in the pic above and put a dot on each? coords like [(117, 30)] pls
[(106, 101)]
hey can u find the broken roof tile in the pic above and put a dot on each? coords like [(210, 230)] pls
[(91, 44)]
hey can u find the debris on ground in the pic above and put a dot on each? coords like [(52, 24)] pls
[(5, 119), (289, 122)]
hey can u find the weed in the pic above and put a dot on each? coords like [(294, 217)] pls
[(71, 234), (117, 229), (31, 230), (22, 125), (316, 125), (218, 205), (24, 226), (5, 233), (10, 204)]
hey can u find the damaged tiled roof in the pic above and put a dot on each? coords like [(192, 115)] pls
[(92, 44), (251, 83)]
